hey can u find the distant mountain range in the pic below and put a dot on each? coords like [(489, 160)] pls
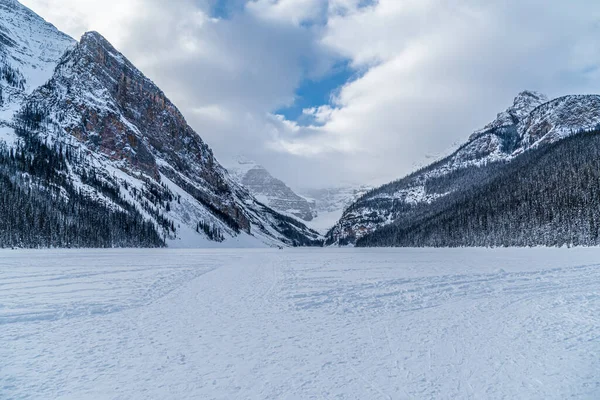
[(318, 208), (96, 155), (270, 190), (528, 178)]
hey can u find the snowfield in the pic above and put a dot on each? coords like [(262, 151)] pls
[(300, 324)]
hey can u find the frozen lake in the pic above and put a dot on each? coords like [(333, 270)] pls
[(300, 324)]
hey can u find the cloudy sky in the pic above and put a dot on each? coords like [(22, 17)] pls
[(323, 92)]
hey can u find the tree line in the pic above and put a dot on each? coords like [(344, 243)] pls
[(40, 205)]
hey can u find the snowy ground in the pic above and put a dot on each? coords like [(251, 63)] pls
[(300, 324)]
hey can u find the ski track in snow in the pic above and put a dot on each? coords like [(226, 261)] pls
[(300, 324)]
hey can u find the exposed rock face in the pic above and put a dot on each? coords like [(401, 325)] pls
[(97, 96), (558, 119), (270, 190), (523, 105), (531, 121)]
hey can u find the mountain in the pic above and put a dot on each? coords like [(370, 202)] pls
[(270, 190), (107, 138), (531, 123), (548, 196), (30, 48), (319, 208)]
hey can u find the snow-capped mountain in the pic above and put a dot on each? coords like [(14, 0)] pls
[(319, 208), (30, 48), (546, 196), (123, 144), (522, 106), (532, 121), (268, 189), (558, 119)]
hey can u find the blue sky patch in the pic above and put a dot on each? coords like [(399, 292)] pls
[(315, 93), (224, 9)]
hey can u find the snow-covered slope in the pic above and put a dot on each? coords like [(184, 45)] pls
[(531, 121), (558, 119), (118, 130), (29, 50), (329, 324), (268, 189)]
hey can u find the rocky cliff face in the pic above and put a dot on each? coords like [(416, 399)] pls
[(270, 190), (125, 144), (532, 121), (558, 119), (501, 137), (99, 98)]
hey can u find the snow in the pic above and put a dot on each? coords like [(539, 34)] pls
[(535, 121), (36, 48), (299, 324), (269, 190), (188, 238), (8, 136)]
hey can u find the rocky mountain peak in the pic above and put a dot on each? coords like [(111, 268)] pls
[(30, 48), (530, 122), (559, 118), (101, 51), (530, 96), (526, 102), (523, 104), (268, 189), (100, 98), (129, 139), (97, 38)]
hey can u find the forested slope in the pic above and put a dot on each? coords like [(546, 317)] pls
[(548, 196)]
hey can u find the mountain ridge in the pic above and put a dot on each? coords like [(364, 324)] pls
[(270, 190), (124, 145), (30, 48), (532, 121), (548, 196)]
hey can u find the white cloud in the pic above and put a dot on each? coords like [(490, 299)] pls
[(437, 70), (292, 11), (74, 17), (432, 71)]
